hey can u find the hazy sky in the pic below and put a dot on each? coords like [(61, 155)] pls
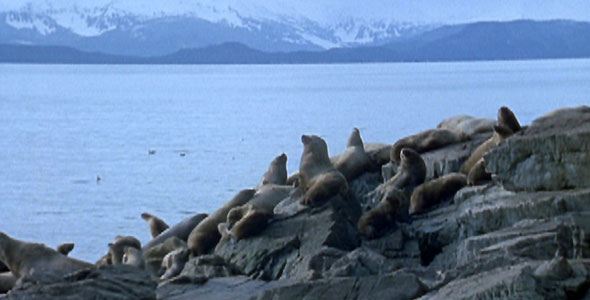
[(440, 11)]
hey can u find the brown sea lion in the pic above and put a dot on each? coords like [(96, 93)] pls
[(411, 173), (318, 179), (180, 230), (117, 248), (501, 132), (507, 118), (132, 256), (396, 194), (153, 256), (251, 218), (373, 223), (26, 259), (354, 161), (7, 282), (378, 153), (205, 236), (104, 260), (435, 191), (277, 171), (467, 125), (156, 224), (478, 175), (174, 262), (426, 141), (65, 248)]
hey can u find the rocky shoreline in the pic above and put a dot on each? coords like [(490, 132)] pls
[(522, 235)]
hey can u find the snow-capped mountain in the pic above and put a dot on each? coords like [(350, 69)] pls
[(146, 29)]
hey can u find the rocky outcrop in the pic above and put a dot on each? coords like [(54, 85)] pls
[(552, 154), (109, 282), (524, 235)]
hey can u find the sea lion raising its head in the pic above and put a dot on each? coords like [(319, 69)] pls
[(156, 224), (318, 179), (354, 161), (277, 171)]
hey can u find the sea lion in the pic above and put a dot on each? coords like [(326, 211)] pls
[(277, 171), (467, 125), (378, 153), (156, 224), (354, 161), (104, 260), (435, 191), (65, 248), (478, 175), (251, 218), (26, 259), (7, 282), (318, 179), (426, 141), (132, 256), (396, 194), (411, 173), (180, 230), (117, 249), (507, 118), (174, 262), (153, 256), (501, 132), (293, 179), (373, 223), (205, 236)]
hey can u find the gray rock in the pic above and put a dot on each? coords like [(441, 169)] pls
[(209, 266), (108, 282), (287, 246), (552, 154)]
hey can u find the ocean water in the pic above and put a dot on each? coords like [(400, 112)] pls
[(61, 126)]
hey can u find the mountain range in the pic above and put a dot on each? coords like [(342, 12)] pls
[(114, 28), (522, 39)]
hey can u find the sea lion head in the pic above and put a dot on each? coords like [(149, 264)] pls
[(146, 216), (277, 171), (408, 156), (506, 117), (355, 139), (316, 146), (503, 131)]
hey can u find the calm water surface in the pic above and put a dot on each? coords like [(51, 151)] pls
[(64, 125)]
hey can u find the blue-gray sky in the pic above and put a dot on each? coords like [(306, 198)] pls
[(428, 11)]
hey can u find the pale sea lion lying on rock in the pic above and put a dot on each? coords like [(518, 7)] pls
[(156, 224), (154, 256), (117, 248), (318, 179), (25, 259), (354, 161), (251, 218), (180, 230), (426, 141), (467, 125), (435, 191), (478, 175), (205, 236), (396, 192), (378, 153)]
